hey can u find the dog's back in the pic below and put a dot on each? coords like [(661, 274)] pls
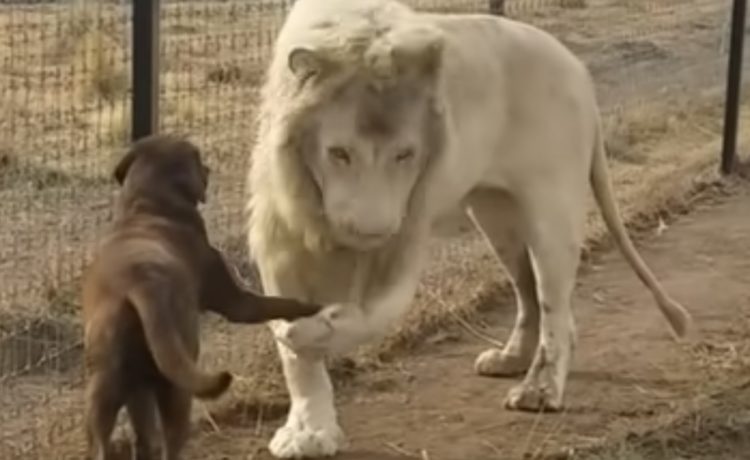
[(114, 339), (141, 306)]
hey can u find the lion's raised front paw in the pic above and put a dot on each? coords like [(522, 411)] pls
[(307, 335), (296, 440), (536, 397)]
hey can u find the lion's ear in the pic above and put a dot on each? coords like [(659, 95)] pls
[(418, 52), (306, 63)]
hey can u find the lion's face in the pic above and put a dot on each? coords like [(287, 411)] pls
[(368, 141), (366, 149)]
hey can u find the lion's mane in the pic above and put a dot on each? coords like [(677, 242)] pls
[(284, 204)]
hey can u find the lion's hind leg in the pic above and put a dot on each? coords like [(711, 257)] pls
[(496, 215), (556, 218)]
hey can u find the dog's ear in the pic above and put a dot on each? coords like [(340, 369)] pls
[(195, 181), (121, 170)]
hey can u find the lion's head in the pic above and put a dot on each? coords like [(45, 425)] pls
[(364, 131)]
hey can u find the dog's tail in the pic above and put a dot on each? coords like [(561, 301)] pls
[(156, 306)]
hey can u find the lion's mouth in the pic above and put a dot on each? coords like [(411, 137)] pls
[(362, 240)]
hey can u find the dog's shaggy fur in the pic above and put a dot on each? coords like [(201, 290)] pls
[(375, 120), (142, 296)]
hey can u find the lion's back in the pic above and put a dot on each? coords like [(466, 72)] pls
[(505, 83), (502, 57)]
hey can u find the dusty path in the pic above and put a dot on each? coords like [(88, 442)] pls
[(628, 375)]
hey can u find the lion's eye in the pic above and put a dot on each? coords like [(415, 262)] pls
[(405, 155), (340, 154)]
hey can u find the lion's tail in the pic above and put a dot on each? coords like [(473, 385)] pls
[(678, 318), (155, 304)]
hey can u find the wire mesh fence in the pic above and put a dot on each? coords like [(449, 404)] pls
[(63, 93), (65, 113)]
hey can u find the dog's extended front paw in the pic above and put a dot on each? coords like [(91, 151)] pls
[(296, 440)]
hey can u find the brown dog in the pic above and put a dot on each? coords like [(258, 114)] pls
[(143, 294)]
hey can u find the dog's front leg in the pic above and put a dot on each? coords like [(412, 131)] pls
[(224, 293)]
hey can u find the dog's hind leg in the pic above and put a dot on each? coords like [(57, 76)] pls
[(103, 402), (174, 408), (142, 410)]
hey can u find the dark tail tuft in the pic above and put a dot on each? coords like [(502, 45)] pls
[(218, 384)]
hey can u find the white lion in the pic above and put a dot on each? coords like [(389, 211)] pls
[(375, 121)]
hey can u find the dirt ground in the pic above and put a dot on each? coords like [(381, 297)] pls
[(647, 396)]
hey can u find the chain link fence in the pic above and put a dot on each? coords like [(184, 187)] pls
[(65, 114)]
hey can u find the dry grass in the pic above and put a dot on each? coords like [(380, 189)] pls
[(574, 4), (715, 429), (107, 76), (94, 47)]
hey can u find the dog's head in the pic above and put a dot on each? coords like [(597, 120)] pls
[(164, 162)]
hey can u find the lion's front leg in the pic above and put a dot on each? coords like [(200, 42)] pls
[(311, 428)]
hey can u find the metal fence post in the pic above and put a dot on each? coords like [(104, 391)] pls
[(145, 71), (734, 82), (497, 7)]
